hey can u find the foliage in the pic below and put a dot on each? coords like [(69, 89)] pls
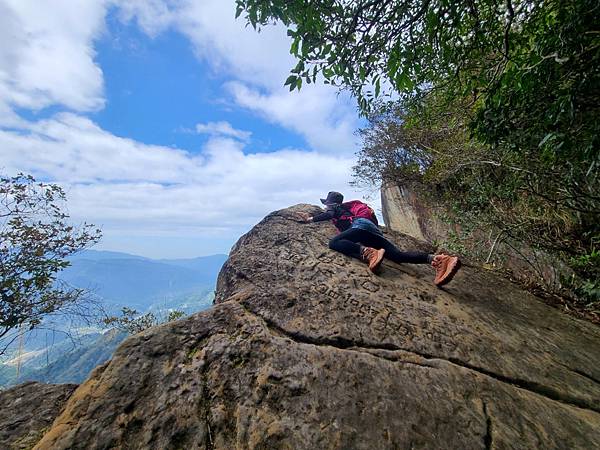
[(35, 240), (487, 188), (133, 322), (494, 108), (588, 285), (405, 45)]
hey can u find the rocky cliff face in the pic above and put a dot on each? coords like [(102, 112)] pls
[(28, 410), (403, 213), (305, 349)]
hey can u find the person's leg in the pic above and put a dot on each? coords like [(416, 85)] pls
[(354, 241), (347, 242), (393, 253)]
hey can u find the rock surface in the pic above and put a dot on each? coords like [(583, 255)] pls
[(308, 350), (28, 410), (402, 212)]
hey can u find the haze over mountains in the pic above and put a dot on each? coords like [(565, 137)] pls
[(116, 280), (137, 282)]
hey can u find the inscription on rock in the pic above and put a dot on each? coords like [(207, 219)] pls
[(380, 317), (383, 315), (370, 286)]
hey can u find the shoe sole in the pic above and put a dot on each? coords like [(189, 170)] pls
[(450, 272), (377, 265)]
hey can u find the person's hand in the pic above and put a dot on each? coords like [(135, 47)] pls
[(304, 217)]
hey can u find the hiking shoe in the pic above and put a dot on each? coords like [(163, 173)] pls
[(445, 267), (373, 257)]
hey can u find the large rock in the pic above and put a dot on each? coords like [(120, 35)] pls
[(403, 212), (28, 410), (308, 350)]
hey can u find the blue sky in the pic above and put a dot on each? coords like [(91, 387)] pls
[(166, 121), (158, 91)]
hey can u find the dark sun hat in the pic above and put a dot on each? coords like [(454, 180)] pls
[(333, 198)]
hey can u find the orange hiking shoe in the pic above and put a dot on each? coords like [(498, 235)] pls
[(445, 267), (373, 257)]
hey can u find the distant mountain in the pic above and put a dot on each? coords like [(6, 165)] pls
[(118, 280), (138, 282), (104, 254), (74, 364), (210, 265)]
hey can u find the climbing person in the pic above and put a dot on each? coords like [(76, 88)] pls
[(360, 237)]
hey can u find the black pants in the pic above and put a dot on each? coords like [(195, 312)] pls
[(347, 243)]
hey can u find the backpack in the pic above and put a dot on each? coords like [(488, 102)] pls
[(355, 209)]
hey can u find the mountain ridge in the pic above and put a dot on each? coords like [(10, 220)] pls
[(137, 281), (117, 280)]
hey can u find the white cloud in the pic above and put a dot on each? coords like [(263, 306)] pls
[(327, 122), (222, 128), (153, 16), (49, 60), (260, 58), (71, 147), (259, 63), (133, 189), (47, 55)]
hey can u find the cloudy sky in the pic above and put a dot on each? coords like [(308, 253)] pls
[(166, 120)]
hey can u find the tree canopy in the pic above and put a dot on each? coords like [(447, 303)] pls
[(35, 241)]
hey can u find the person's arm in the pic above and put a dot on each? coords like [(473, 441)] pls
[(327, 215)]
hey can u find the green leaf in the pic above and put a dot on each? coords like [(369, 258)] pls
[(291, 80), (294, 47), (304, 48), (361, 73), (238, 11), (403, 82), (546, 139)]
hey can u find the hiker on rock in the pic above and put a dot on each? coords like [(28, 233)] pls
[(361, 238)]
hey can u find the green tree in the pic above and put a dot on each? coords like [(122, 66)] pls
[(489, 190), (132, 322), (35, 241), (366, 45)]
